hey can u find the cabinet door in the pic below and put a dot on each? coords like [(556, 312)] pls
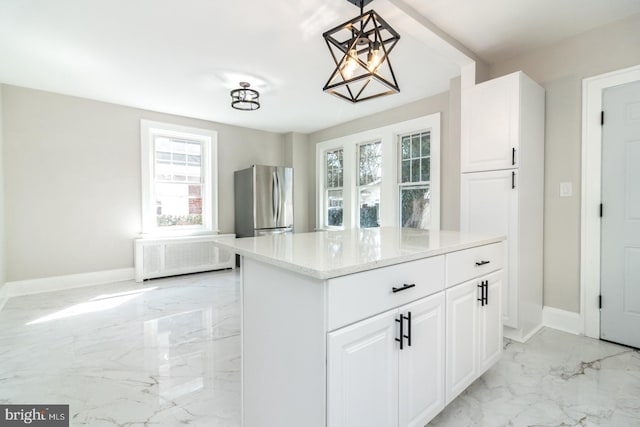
[(422, 364), (461, 337), (490, 323), (489, 204), (491, 125), (362, 373)]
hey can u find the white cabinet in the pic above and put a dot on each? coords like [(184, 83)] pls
[(502, 186), (362, 373), (371, 348), (490, 126), (490, 203), (389, 369), (474, 331)]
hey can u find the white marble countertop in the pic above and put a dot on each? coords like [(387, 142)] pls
[(327, 254)]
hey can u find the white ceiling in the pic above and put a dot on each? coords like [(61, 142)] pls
[(184, 57)]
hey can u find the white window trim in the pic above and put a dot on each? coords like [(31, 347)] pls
[(209, 139), (388, 135), (325, 212)]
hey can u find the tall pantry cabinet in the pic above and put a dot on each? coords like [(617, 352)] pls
[(502, 187)]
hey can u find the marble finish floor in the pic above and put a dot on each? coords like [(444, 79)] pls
[(167, 353)]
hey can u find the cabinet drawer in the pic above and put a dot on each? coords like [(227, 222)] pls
[(470, 263), (357, 296)]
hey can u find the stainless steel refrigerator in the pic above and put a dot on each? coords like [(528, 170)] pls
[(263, 200)]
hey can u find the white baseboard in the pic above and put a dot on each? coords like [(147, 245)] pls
[(4, 295), (58, 283), (562, 320), (518, 334)]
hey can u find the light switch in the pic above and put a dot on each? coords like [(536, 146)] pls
[(566, 189)]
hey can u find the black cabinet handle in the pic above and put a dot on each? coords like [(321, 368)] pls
[(486, 292), (401, 339), (513, 156), (403, 288), (513, 180), (481, 299), (408, 336), (478, 264)]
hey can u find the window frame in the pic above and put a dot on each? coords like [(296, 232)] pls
[(412, 185), (208, 140), (327, 189), (389, 210), (360, 187)]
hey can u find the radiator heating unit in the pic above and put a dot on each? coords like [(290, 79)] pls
[(171, 256)]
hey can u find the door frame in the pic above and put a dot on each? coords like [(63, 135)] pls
[(592, 89)]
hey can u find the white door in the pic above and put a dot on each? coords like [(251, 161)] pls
[(362, 373), (489, 140), (620, 238), (422, 363), (489, 204), (461, 337), (490, 323)]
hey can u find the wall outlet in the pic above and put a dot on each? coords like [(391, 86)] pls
[(566, 189)]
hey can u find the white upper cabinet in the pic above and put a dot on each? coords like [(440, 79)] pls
[(490, 125)]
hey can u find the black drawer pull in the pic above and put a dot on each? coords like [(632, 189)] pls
[(408, 337), (478, 264), (486, 292), (403, 288)]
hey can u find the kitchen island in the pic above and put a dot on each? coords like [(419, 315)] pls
[(365, 327)]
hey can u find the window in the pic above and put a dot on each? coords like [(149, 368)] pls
[(415, 180), (334, 181), (178, 185), (366, 180), (369, 179)]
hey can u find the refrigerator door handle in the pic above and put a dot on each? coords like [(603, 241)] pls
[(274, 196), (279, 198)]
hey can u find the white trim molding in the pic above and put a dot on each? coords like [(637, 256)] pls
[(562, 320), (59, 283), (592, 89), (209, 144), (4, 296)]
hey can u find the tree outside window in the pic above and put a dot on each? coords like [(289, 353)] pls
[(415, 180), (334, 202), (369, 179)]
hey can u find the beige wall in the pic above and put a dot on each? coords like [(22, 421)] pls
[(3, 265), (72, 169), (560, 69), (296, 156), (449, 144)]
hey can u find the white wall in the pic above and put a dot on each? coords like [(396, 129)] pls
[(560, 69), (72, 175)]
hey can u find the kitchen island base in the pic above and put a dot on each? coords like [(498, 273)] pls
[(385, 346)]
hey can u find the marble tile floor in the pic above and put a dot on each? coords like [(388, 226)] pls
[(167, 353)]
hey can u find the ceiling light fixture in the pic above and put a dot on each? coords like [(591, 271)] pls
[(244, 98), (360, 49)]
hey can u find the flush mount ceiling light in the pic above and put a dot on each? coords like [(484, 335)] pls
[(244, 98), (360, 49)]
